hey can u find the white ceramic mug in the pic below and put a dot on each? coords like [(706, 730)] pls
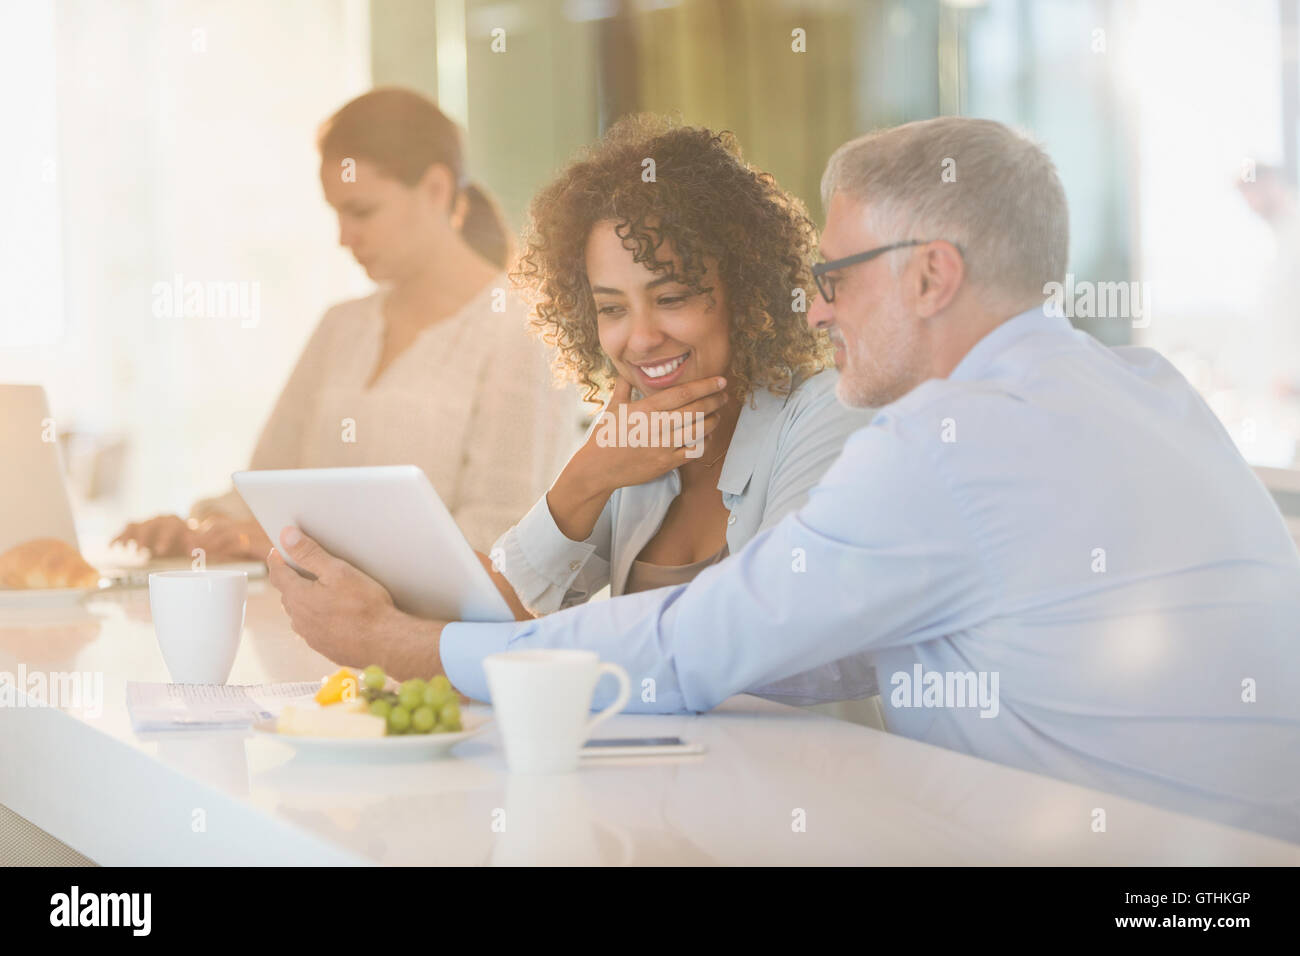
[(198, 617), (542, 699)]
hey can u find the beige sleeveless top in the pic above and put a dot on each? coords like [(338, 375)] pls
[(645, 576)]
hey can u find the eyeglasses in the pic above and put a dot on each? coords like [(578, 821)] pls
[(826, 286)]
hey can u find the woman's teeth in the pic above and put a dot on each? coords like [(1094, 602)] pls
[(659, 371)]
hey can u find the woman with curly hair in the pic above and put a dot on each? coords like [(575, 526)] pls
[(669, 274)]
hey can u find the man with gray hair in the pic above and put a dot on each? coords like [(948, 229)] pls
[(966, 196), (1049, 548)]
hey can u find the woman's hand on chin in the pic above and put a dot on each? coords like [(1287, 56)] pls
[(634, 442)]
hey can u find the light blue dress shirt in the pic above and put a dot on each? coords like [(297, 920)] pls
[(1060, 534), (781, 447)]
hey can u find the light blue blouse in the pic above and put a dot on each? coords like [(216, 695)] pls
[(781, 447)]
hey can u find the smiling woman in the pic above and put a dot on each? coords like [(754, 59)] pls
[(732, 230)]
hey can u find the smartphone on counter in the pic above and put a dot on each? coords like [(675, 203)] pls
[(639, 747)]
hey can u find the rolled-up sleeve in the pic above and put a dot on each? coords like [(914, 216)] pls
[(462, 649), (548, 570)]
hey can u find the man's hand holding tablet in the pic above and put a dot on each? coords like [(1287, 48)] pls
[(348, 616), (370, 563), (344, 613)]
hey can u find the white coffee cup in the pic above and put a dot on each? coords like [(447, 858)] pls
[(198, 617), (542, 698)]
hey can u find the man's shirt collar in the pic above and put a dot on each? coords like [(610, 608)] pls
[(986, 350)]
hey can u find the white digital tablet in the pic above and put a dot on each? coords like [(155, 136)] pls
[(388, 522)]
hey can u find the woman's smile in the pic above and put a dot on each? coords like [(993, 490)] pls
[(661, 373)]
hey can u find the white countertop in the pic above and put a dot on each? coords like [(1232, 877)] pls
[(867, 797)]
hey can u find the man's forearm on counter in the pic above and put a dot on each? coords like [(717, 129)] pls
[(410, 646)]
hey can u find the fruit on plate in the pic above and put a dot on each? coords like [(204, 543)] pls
[(416, 707), (373, 677), (340, 720), (352, 706), (341, 686)]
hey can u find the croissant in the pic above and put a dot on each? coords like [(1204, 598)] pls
[(45, 563)]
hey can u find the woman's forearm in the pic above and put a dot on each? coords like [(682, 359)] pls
[(507, 590), (576, 501)]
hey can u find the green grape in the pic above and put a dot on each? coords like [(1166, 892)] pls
[(436, 695), (450, 713), (440, 681), (411, 693), (380, 708), (373, 677), (399, 720), (422, 720)]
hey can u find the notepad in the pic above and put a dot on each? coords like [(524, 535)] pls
[(160, 707)]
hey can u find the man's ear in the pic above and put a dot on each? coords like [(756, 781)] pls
[(940, 271)]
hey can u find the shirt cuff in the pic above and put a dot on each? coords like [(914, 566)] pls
[(462, 648), (539, 560)]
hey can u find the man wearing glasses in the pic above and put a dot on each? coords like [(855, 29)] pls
[(1051, 549)]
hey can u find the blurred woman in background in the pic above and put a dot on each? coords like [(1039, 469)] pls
[(435, 368)]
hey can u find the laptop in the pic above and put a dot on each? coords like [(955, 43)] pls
[(34, 499)]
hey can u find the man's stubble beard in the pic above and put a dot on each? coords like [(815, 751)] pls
[(870, 381)]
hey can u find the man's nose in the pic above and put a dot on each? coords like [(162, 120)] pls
[(820, 314)]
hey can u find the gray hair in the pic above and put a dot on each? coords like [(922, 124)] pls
[(974, 182)]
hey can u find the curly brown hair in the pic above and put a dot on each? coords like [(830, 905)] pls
[(708, 203)]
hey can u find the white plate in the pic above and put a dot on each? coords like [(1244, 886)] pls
[(43, 597), (413, 745)]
